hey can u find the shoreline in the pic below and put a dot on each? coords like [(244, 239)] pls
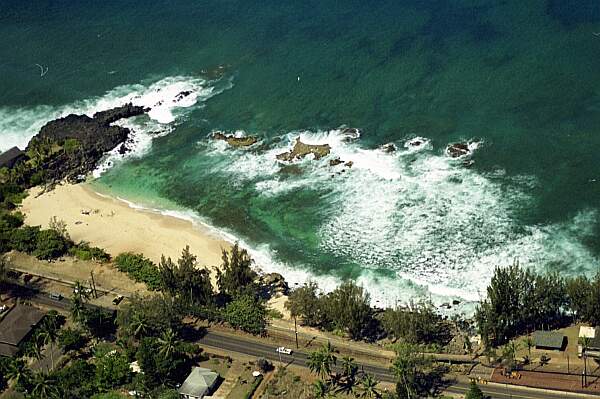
[(115, 226)]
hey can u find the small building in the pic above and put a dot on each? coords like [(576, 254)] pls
[(549, 340), (592, 341), (199, 384), (11, 157), (16, 325)]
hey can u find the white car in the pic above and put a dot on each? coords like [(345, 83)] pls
[(284, 350)]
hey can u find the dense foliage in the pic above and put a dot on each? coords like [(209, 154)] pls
[(418, 324), (140, 269), (235, 276), (520, 300), (186, 280), (347, 308), (247, 313)]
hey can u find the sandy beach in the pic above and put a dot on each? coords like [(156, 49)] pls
[(114, 226)]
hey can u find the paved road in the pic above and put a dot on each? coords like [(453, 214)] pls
[(258, 349), (382, 372)]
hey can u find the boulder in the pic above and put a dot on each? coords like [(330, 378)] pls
[(276, 282), (349, 164), (235, 141), (300, 150), (388, 148), (458, 150), (335, 162), (350, 133)]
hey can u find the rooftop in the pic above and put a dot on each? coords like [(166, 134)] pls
[(549, 339), (15, 326), (10, 156), (199, 382)]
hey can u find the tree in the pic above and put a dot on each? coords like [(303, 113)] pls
[(167, 343), (350, 310), (305, 302), (368, 387), (322, 360), (235, 275), (185, 279), (474, 392), (149, 316), (419, 323), (19, 373), (529, 343), (159, 368), (112, 370), (71, 339), (48, 337), (410, 369), (321, 389), (77, 380), (349, 370), (50, 245), (44, 387), (247, 313)]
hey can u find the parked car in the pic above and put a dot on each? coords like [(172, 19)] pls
[(56, 296), (284, 350), (117, 300)]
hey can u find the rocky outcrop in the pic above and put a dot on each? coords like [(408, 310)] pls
[(234, 141), (275, 282), (300, 150), (458, 150), (350, 133), (388, 148), (335, 162), (71, 146)]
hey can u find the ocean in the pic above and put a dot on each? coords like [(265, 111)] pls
[(519, 80)]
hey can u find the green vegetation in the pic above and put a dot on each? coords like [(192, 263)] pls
[(84, 251), (247, 313), (235, 276), (519, 301), (186, 280), (140, 269), (349, 381), (345, 309), (416, 324), (474, 392)]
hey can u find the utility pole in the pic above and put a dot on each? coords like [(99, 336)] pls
[(94, 284), (296, 331)]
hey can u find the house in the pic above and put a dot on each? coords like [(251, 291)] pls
[(200, 383), (11, 157), (549, 340), (16, 325)]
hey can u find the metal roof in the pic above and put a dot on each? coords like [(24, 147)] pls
[(8, 157), (548, 339), (18, 323), (199, 382)]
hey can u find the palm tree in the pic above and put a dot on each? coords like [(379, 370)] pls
[(321, 389), (368, 387), (19, 373), (77, 308), (48, 336), (168, 343), (529, 343), (34, 349), (315, 363), (139, 325), (349, 367), (44, 387)]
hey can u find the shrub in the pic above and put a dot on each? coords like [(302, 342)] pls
[(83, 251), (139, 268), (247, 314), (50, 245), (71, 339), (25, 239)]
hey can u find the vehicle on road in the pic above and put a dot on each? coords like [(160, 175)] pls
[(56, 296), (284, 350), (117, 300)]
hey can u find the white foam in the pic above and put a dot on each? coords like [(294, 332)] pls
[(440, 227), (167, 98)]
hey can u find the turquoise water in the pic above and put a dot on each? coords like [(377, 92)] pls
[(520, 78)]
